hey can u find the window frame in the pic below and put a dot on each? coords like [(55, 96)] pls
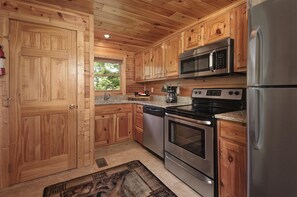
[(122, 74)]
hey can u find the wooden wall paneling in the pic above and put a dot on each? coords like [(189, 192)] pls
[(186, 85), (4, 94), (20, 10), (92, 94), (131, 85)]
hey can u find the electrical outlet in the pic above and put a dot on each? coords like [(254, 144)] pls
[(152, 90)]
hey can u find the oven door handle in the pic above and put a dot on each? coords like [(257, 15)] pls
[(196, 174), (204, 122)]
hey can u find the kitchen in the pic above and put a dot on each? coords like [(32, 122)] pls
[(197, 69)]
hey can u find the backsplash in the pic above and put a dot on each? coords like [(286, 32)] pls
[(181, 99)]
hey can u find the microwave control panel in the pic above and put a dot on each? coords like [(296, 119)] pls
[(220, 59)]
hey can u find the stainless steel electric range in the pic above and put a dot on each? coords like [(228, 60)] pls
[(191, 137)]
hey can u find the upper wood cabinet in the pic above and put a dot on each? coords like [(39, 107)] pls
[(158, 61), (139, 67), (217, 28), (194, 36), (147, 64), (173, 47), (232, 159), (239, 32)]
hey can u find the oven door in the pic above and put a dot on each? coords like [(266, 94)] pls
[(191, 142)]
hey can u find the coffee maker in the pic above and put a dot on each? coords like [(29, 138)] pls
[(171, 95)]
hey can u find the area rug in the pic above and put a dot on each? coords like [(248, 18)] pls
[(129, 179)]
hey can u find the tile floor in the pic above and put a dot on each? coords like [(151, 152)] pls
[(114, 155)]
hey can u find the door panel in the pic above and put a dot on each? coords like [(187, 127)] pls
[(272, 43), (272, 144), (42, 86)]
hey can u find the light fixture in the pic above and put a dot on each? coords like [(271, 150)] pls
[(107, 36)]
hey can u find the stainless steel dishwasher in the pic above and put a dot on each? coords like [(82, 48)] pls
[(153, 129)]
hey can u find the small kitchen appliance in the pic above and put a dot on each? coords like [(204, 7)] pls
[(171, 94), (191, 136)]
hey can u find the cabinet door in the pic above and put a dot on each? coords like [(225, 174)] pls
[(147, 64), (139, 67), (233, 176), (173, 48), (139, 120), (123, 126), (217, 28), (103, 130), (158, 61), (138, 135), (239, 31), (194, 36)]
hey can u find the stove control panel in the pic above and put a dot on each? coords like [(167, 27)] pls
[(229, 94)]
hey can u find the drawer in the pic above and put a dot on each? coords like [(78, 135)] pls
[(139, 108), (233, 131), (139, 120), (138, 135), (110, 109)]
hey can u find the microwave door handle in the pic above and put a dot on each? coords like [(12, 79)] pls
[(211, 60)]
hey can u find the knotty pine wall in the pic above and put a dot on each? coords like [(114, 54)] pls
[(108, 50), (186, 85), (84, 25)]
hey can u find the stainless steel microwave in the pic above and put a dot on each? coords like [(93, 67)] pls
[(212, 59)]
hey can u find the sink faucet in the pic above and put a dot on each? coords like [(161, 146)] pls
[(106, 96)]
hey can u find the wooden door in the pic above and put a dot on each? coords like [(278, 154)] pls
[(240, 35), (232, 169), (147, 64), (194, 36), (139, 67), (217, 28), (173, 48), (158, 61), (123, 126), (104, 130), (43, 112)]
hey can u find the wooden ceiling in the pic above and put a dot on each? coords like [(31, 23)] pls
[(135, 24)]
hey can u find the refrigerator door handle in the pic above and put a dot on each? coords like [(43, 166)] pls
[(255, 56), (255, 129)]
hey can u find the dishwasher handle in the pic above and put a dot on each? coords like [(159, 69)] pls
[(156, 111)]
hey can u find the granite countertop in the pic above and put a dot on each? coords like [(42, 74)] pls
[(152, 103), (237, 116)]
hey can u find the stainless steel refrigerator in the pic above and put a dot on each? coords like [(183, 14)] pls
[(272, 98)]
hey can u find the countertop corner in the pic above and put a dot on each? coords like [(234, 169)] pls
[(237, 116)]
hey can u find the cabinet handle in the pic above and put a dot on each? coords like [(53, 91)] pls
[(189, 39), (230, 159), (218, 31)]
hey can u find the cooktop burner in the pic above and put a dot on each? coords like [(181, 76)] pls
[(209, 102)]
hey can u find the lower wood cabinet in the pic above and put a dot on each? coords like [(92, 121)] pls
[(113, 123), (138, 119), (232, 159)]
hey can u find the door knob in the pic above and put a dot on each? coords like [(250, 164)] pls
[(72, 106)]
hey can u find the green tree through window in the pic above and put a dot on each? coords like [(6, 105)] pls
[(107, 74)]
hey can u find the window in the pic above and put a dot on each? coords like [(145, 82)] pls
[(107, 74)]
